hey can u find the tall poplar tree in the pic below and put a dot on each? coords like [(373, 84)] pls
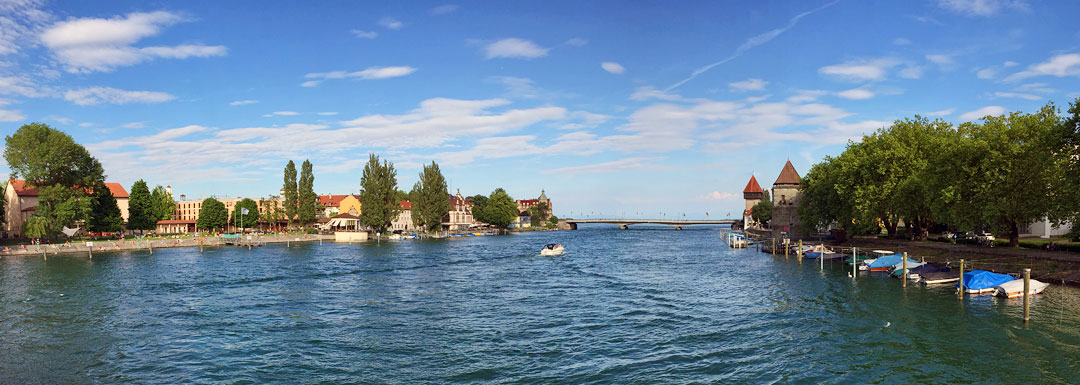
[(378, 196), (306, 195), (430, 199), (104, 212), (291, 193), (141, 211)]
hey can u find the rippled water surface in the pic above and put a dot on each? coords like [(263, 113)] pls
[(649, 305)]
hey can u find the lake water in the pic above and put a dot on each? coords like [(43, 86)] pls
[(647, 305)]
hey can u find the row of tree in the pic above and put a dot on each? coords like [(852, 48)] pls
[(998, 175)]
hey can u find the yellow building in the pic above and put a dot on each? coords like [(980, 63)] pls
[(350, 205)]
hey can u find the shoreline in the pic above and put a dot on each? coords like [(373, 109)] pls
[(135, 245)]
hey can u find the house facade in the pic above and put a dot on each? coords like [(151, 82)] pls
[(460, 216), (22, 201)]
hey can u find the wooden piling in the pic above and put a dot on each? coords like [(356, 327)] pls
[(903, 276), (821, 257), (854, 263), (773, 249), (960, 290), (787, 249), (800, 251), (1027, 294)]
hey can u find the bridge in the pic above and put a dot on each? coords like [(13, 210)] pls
[(625, 223)]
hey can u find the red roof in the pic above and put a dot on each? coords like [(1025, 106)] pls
[(528, 201), (28, 209), (331, 200), (752, 186), (788, 175), (406, 205), (21, 189)]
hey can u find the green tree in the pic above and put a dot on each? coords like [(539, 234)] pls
[(212, 215), (553, 222), (3, 202), (479, 202), (244, 221), (1005, 173), (306, 194), (60, 169), (378, 194), (500, 210), (825, 200), (430, 199), (104, 212), (1067, 204), (538, 214), (163, 203), (274, 212), (141, 208), (761, 212), (292, 196)]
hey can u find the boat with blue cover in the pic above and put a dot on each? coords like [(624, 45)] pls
[(887, 262), (982, 281)]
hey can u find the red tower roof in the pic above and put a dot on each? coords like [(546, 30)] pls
[(752, 186), (788, 175)]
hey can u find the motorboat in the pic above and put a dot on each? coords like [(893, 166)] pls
[(897, 270), (887, 262), (552, 249), (982, 281), (1015, 288), (915, 273)]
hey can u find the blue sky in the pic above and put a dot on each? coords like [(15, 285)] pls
[(614, 108)]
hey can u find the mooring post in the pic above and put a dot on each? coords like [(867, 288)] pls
[(1027, 288), (854, 263), (800, 251), (150, 245), (960, 290), (903, 276), (787, 248), (822, 257), (91, 251), (773, 248)]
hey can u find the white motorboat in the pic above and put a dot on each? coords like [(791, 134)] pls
[(552, 249), (1015, 288)]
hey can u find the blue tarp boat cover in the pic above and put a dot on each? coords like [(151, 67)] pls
[(982, 279), (889, 260)]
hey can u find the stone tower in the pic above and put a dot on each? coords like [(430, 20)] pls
[(752, 193), (785, 197)]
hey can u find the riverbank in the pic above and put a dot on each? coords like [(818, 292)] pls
[(1047, 266), (91, 247)]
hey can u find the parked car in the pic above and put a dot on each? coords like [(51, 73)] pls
[(985, 239)]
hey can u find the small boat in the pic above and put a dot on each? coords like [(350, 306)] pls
[(915, 273), (1015, 288), (898, 269), (394, 237), (938, 277), (887, 262), (552, 249), (982, 281)]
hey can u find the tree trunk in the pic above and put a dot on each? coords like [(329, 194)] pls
[(890, 228), (1014, 235)]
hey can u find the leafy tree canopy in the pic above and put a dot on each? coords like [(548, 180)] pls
[(500, 210), (212, 215), (430, 198), (142, 211), (104, 212), (306, 194), (292, 197), (249, 220), (378, 196)]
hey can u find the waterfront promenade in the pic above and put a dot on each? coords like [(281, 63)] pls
[(90, 247)]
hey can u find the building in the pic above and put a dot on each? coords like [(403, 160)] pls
[(331, 205), (403, 222), (785, 197), (460, 216), (350, 205), (22, 200), (525, 204), (1043, 228), (752, 194)]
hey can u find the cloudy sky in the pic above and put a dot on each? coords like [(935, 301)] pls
[(616, 110)]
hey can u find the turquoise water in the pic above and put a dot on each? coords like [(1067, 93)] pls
[(646, 305)]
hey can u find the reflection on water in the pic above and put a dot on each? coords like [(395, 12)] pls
[(621, 306)]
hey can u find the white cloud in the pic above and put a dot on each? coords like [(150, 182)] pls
[(524, 88), (133, 125), (443, 9), (60, 119), (856, 94), (514, 48), (97, 95), (1059, 66), (94, 44), (608, 167), (866, 70), (576, 42), (981, 7), (940, 59), (243, 102), (1010, 63), (911, 72), (390, 23), (982, 112), (11, 115), (945, 112), (748, 85), (751, 43), (901, 41), (648, 92), (613, 67), (1036, 87), (1017, 95), (20, 22), (370, 73), (723, 196), (365, 34), (327, 113), (986, 73), (803, 96), (282, 113), (19, 85)]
